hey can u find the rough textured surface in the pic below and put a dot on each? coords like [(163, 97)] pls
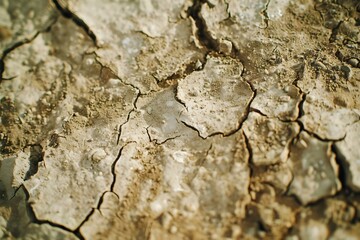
[(186, 119)]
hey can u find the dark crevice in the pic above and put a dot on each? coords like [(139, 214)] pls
[(136, 100), (340, 160), (77, 230), (77, 20), (301, 104), (258, 111), (33, 218), (113, 172), (334, 32), (36, 156), (178, 99), (250, 160), (248, 147), (16, 45), (148, 134), (203, 34), (168, 139), (236, 54), (186, 70), (299, 70), (156, 141), (113, 168), (193, 128)]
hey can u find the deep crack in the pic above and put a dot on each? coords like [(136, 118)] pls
[(65, 11), (203, 34), (113, 168)]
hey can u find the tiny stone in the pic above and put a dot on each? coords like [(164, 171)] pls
[(353, 62), (198, 64), (98, 154), (173, 229), (225, 46)]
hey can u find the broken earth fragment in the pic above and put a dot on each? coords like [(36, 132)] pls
[(279, 103), (216, 97), (16, 169), (75, 177), (141, 41), (227, 159), (349, 153), (314, 168), (269, 138), (337, 112)]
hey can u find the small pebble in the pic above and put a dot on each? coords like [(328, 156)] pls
[(353, 62)]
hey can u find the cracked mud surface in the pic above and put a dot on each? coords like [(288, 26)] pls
[(186, 119)]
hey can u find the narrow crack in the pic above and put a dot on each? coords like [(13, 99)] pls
[(121, 126), (128, 116), (138, 95), (250, 161), (290, 143), (258, 111), (342, 164), (33, 218), (113, 172), (248, 110), (178, 99), (248, 147), (77, 230), (185, 70), (65, 11), (265, 14), (156, 141), (113, 168), (241, 121), (300, 106), (193, 128), (19, 44), (334, 32), (302, 113)]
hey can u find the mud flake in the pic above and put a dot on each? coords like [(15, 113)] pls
[(269, 138), (314, 168), (279, 103), (217, 98)]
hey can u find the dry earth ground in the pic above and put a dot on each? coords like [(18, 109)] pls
[(180, 119)]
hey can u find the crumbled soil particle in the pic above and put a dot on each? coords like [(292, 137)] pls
[(186, 119)]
